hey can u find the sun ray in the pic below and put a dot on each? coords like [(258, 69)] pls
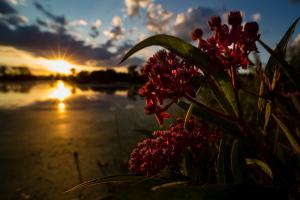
[(60, 66)]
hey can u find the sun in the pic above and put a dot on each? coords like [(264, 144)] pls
[(60, 66)]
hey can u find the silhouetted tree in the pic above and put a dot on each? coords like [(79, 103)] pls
[(3, 71), (83, 76), (73, 72)]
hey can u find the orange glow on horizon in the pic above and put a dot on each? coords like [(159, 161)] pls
[(60, 66), (59, 63)]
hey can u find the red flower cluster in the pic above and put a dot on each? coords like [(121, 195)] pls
[(230, 45), (164, 149), (168, 78)]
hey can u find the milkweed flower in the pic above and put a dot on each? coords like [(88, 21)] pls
[(169, 77), (231, 44), (165, 147)]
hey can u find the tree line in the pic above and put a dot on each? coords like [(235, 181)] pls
[(100, 76)]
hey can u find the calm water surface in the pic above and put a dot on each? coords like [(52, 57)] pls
[(44, 125)]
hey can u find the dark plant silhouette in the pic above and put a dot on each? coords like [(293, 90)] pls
[(255, 154)]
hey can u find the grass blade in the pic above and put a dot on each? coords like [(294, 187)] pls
[(288, 134), (281, 47), (108, 179), (238, 165), (262, 165)]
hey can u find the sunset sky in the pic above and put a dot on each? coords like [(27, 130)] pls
[(56, 35)]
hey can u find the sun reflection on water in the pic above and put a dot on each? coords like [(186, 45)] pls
[(61, 106), (60, 93)]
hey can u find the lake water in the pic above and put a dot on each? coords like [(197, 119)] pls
[(44, 125)]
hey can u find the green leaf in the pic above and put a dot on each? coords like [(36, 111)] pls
[(221, 122), (167, 185), (291, 72), (261, 93), (192, 165), (108, 179), (217, 79), (262, 166), (281, 46), (267, 115), (224, 174), (176, 45), (285, 39), (288, 134), (238, 165)]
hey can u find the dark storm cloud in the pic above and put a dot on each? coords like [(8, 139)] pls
[(193, 18), (16, 20), (42, 23), (31, 38), (8, 15), (61, 20), (6, 8), (13, 20)]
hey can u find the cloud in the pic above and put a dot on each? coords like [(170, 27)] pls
[(293, 51), (133, 6), (6, 8), (297, 40), (116, 32), (79, 22), (16, 2), (17, 20), (97, 23), (61, 20), (158, 19), (42, 23), (95, 28), (94, 32), (117, 21), (42, 43), (193, 18), (13, 19), (256, 17), (40, 39)]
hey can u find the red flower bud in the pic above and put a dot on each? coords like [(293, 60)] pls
[(251, 29), (197, 34), (214, 23), (235, 18)]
